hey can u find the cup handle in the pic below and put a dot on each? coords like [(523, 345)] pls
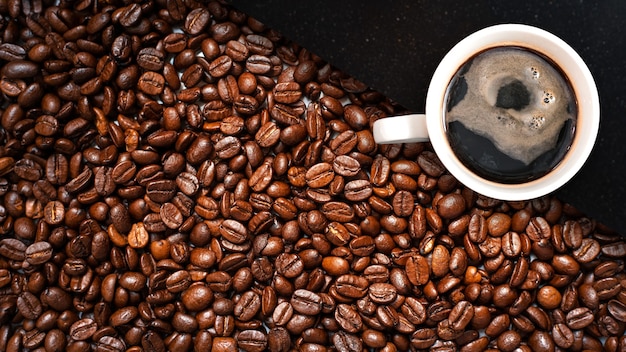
[(401, 129)]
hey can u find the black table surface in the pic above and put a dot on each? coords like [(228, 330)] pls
[(395, 46)]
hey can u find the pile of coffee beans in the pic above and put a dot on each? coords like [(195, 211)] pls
[(176, 176)]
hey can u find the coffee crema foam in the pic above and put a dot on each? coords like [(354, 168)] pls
[(516, 99)]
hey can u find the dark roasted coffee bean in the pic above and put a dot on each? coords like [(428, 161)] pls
[(306, 302), (20, 69), (220, 66), (267, 135), (259, 44), (252, 340), (343, 143), (579, 318), (12, 52), (382, 293), (541, 341), (233, 231), (171, 216), (588, 250), (417, 270), (120, 218), (423, 338), (431, 165), (29, 305), (461, 315), (13, 249), (282, 313), (123, 316), (562, 335), (151, 83), (357, 190), (287, 92), (83, 329), (197, 20), (38, 253), (352, 286), (348, 318), (451, 206), (288, 264), (238, 51), (150, 59), (337, 211), (614, 250), (188, 183), (247, 306)]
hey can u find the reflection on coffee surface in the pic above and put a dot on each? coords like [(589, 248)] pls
[(510, 115)]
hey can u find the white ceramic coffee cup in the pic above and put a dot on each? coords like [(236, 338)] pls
[(431, 126)]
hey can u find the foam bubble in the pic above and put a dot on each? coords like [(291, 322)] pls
[(517, 100)]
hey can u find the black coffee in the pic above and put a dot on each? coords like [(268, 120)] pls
[(510, 115)]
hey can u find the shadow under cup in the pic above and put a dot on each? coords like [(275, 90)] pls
[(510, 114)]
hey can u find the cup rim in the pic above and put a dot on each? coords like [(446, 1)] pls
[(570, 63)]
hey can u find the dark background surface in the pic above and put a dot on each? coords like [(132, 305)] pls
[(395, 46)]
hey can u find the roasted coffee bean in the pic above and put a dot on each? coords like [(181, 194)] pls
[(13, 249), (123, 316), (414, 311), (268, 134), (382, 293), (238, 51), (38, 253), (220, 66), (12, 52), (346, 166), (538, 228), (343, 143), (440, 262), (498, 224), (451, 206), (352, 286), (588, 250), (337, 233), (461, 315), (233, 231), (565, 264), (511, 244), (357, 190), (29, 305), (171, 216), (423, 338), (19, 68), (562, 335), (579, 318), (348, 318), (306, 302), (617, 309), (335, 266), (196, 20), (150, 59), (337, 211), (83, 329), (120, 218), (252, 340), (417, 270), (288, 264), (151, 83), (282, 313), (614, 250), (247, 306), (540, 341)]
